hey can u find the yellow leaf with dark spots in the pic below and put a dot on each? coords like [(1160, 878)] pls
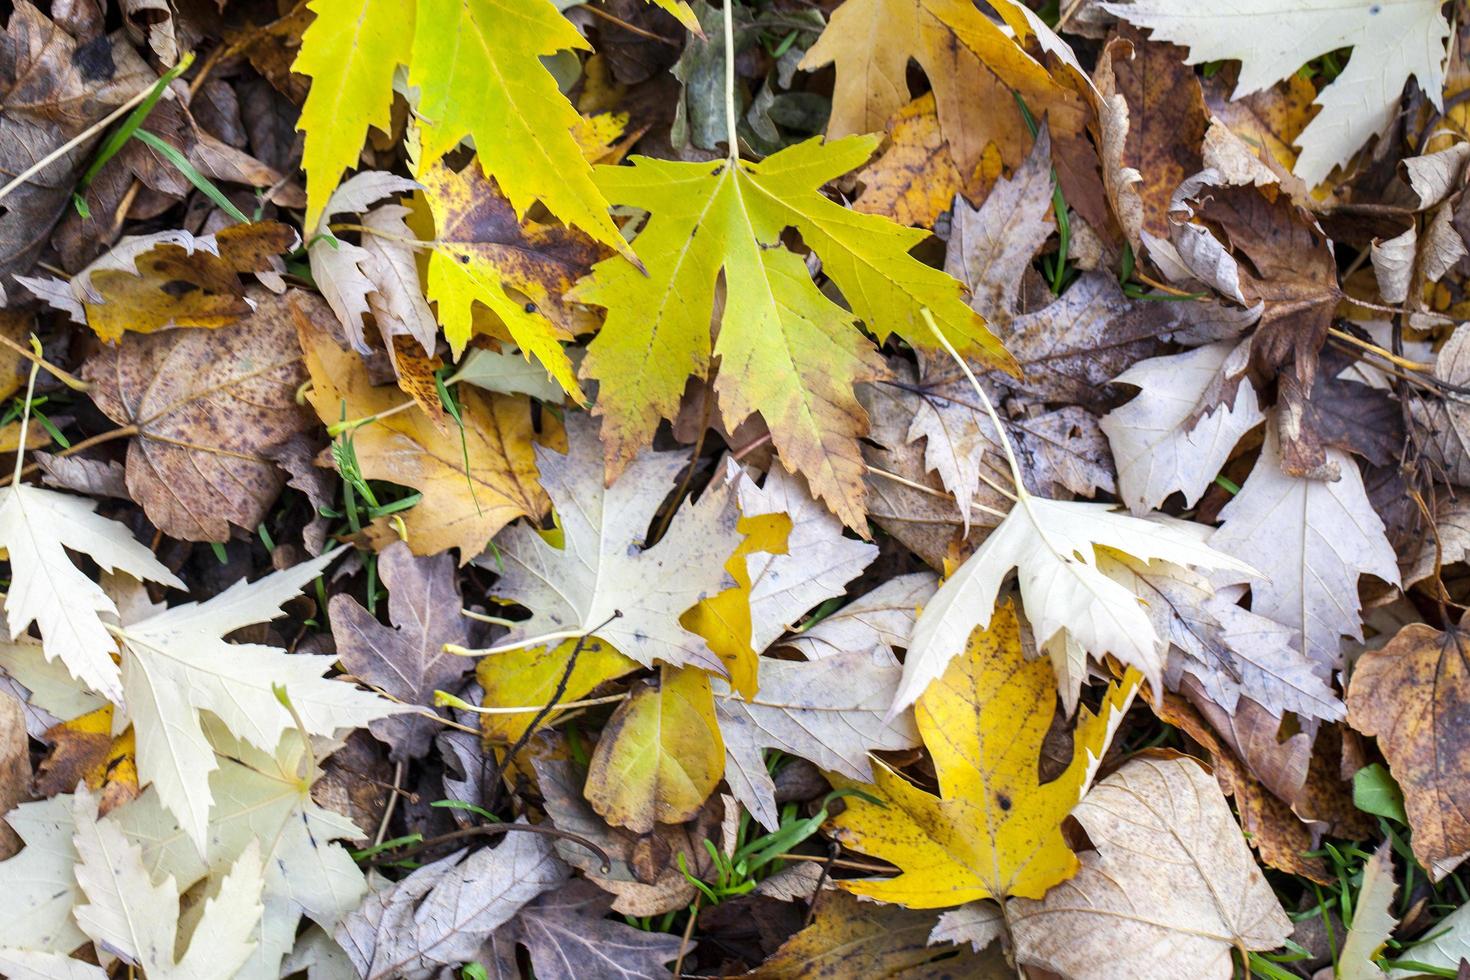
[(483, 253), (528, 678), (995, 830)]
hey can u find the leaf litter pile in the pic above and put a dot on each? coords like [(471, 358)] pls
[(529, 489)]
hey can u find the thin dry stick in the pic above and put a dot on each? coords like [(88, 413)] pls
[(1387, 355), (70, 380), (693, 909), (931, 491), (392, 804)]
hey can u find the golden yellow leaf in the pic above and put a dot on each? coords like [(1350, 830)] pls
[(661, 754), (995, 830), (528, 678), (915, 178), (724, 619), (460, 509), (969, 60)]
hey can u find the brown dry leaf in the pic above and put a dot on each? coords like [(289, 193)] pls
[(1412, 695), (661, 754), (1171, 890), (1167, 120), (53, 87), (915, 179), (415, 373), (209, 406), (15, 767), (460, 508), (1291, 270), (174, 279), (1269, 121), (16, 326), (851, 938)]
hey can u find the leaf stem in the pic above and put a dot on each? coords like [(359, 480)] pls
[(25, 415), (729, 14), (70, 380)]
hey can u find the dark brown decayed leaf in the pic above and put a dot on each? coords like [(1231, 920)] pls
[(208, 406), (1414, 695), (52, 87), (409, 661), (1167, 120)]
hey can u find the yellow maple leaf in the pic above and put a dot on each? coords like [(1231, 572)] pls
[(350, 51), (787, 351), (477, 67), (661, 754), (461, 507), (995, 830)]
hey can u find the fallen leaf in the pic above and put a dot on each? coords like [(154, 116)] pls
[(440, 914), (1406, 41), (915, 179), (1053, 545), (38, 884), (209, 406), (1372, 922), (995, 829), (1191, 410), (1408, 694), (1171, 882), (168, 279), (601, 582), (128, 915), (1311, 540), (463, 506), (36, 528), (519, 270), (829, 712), (528, 678), (777, 326), (568, 937), (883, 618), (660, 755), (407, 660), (848, 937)]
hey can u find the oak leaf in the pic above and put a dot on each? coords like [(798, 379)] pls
[(786, 350), (995, 830), (1171, 887)]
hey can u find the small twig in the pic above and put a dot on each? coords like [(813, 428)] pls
[(663, 524), (65, 377), (931, 491), (839, 863), (490, 829), (693, 910), (1389, 356), (834, 848), (546, 709), (121, 432), (751, 447), (391, 805)]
